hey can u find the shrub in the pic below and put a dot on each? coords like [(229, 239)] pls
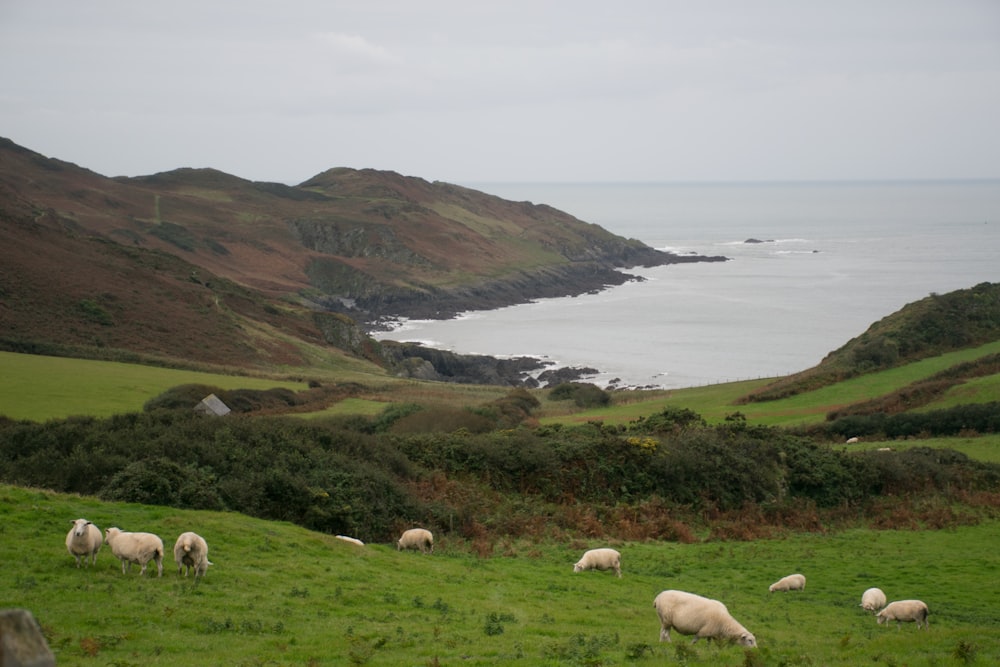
[(583, 394)]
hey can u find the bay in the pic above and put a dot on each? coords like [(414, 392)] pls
[(832, 259)]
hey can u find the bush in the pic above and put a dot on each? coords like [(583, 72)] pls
[(583, 394)]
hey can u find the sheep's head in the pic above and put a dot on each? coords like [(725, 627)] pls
[(747, 639), (80, 527)]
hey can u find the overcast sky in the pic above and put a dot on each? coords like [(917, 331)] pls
[(513, 90)]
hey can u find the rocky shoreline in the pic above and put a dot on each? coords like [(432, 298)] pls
[(420, 362), (379, 311)]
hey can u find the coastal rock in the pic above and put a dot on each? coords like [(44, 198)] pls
[(419, 362), (557, 376)]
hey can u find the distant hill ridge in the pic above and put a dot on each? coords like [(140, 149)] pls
[(203, 265)]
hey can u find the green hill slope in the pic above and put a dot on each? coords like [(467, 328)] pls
[(934, 325), (280, 595)]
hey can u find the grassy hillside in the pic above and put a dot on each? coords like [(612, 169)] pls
[(197, 266), (805, 407), (41, 387), (280, 595), (932, 326)]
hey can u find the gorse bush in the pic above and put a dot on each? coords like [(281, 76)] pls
[(369, 478)]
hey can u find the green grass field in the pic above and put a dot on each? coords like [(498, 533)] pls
[(277, 594), (715, 402), (38, 388)]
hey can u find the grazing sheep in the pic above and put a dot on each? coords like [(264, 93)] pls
[(135, 548), (352, 540), (416, 538), (873, 599), (905, 610), (600, 559), (692, 614), (191, 551), (793, 582), (84, 541), (853, 440)]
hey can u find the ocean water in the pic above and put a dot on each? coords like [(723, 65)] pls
[(835, 258)]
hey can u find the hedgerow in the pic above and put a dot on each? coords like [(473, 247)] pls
[(653, 478)]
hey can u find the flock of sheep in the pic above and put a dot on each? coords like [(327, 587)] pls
[(84, 540), (691, 614), (687, 613)]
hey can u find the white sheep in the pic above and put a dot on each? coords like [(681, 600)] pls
[(84, 541), (692, 614), (352, 540), (872, 599), (853, 440), (905, 610), (135, 548), (793, 582), (600, 559), (191, 551), (416, 538)]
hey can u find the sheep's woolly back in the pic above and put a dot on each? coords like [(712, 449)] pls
[(600, 559), (83, 541), (416, 538), (191, 551), (692, 614), (905, 610), (793, 582), (873, 599), (135, 548)]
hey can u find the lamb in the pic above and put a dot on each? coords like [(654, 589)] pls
[(793, 582), (84, 541), (135, 548), (905, 610), (416, 538), (352, 540), (191, 551), (692, 614), (600, 559), (872, 599)]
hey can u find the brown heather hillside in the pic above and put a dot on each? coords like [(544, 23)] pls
[(202, 265)]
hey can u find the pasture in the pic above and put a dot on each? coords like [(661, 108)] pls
[(715, 402), (281, 595), (38, 388)]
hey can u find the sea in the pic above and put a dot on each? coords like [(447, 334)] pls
[(811, 266)]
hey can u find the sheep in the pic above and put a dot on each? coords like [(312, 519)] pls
[(905, 610), (600, 559), (692, 614), (352, 540), (84, 541), (191, 551), (872, 599), (793, 582), (851, 441), (416, 538), (135, 548)]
